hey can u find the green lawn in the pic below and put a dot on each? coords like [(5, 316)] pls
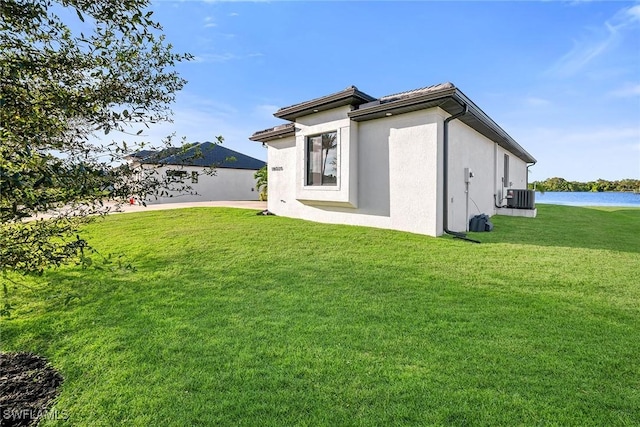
[(238, 319)]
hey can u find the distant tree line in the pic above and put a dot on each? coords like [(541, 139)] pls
[(561, 184)]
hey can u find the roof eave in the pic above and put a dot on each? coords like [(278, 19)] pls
[(266, 136), (400, 106), (350, 96), (451, 101), (493, 131)]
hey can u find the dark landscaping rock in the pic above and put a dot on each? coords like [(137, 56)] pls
[(28, 385)]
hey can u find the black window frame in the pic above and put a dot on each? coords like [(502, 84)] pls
[(176, 174), (311, 178)]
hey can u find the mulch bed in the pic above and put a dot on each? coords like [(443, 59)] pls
[(28, 385)]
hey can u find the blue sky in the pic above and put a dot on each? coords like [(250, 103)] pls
[(562, 78)]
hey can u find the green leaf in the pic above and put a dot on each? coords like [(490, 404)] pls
[(59, 86)]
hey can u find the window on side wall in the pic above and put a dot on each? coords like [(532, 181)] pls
[(505, 179), (176, 175), (322, 159), (194, 177)]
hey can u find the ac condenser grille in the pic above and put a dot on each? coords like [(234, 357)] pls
[(521, 199)]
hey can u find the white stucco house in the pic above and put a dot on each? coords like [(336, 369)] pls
[(423, 161), (233, 178)]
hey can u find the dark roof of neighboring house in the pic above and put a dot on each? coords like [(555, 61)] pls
[(445, 95), (205, 154)]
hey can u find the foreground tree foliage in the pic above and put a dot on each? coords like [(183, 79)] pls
[(72, 71)]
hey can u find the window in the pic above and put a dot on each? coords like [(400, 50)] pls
[(176, 175), (194, 177), (505, 177), (322, 159)]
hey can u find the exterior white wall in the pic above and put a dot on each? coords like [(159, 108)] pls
[(345, 192), (281, 169), (226, 184), (378, 158), (395, 166), (518, 173), (517, 179), (470, 149), (413, 171)]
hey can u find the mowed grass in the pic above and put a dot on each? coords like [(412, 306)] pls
[(238, 319)]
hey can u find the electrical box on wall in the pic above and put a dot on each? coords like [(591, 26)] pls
[(468, 174)]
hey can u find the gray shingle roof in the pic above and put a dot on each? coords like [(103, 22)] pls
[(349, 96), (205, 154), (365, 107), (415, 92)]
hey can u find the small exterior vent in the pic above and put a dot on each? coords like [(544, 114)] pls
[(521, 199)]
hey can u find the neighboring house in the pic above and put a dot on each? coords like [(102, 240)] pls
[(233, 178), (423, 161)]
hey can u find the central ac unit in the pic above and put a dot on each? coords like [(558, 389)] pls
[(521, 199)]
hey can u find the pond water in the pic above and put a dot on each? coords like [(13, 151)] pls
[(588, 198)]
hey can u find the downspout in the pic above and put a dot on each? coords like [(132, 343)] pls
[(496, 196), (528, 166), (445, 175)]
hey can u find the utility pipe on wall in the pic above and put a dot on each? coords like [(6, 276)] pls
[(445, 173), (527, 177), (496, 195)]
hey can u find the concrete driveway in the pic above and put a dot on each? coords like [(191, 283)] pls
[(124, 208), (244, 204)]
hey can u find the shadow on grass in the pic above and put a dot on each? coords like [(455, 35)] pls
[(606, 228)]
